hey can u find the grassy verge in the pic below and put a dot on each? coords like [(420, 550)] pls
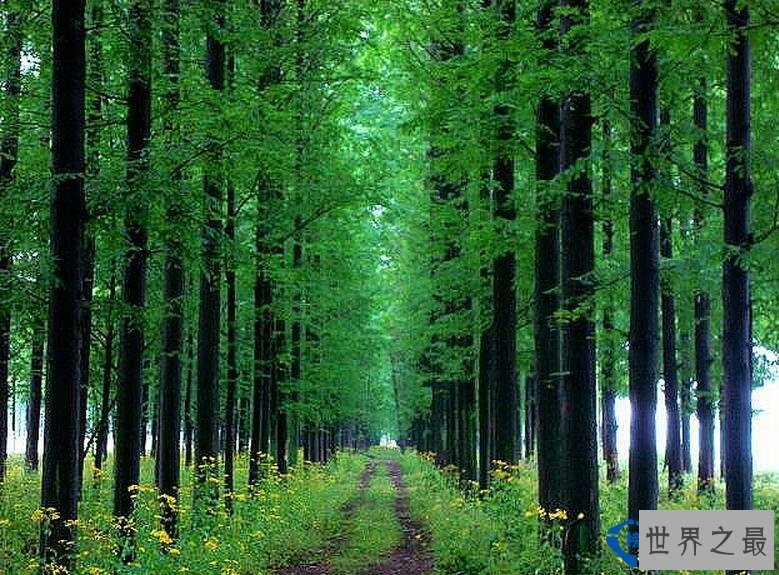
[(288, 518), (497, 534)]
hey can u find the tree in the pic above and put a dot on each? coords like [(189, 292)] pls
[(34, 400), (9, 149), (130, 397), (673, 453), (609, 345), (547, 281), (206, 442), (168, 453), (736, 301), (61, 454), (702, 314), (504, 265), (577, 230), (644, 266)]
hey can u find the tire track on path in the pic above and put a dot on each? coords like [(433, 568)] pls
[(412, 556), (336, 541)]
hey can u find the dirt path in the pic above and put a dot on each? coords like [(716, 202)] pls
[(336, 540), (411, 557)]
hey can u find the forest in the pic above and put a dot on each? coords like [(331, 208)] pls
[(393, 287)]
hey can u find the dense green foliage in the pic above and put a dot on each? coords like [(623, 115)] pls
[(383, 162)]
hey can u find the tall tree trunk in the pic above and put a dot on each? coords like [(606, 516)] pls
[(262, 412), (486, 414), (704, 392), (9, 152), (131, 334), (504, 265), (263, 342), (206, 440), (279, 375), (673, 452), (168, 449), (88, 267), (188, 427), (702, 313), (93, 148), (685, 398), (580, 420), (59, 484), (546, 294), (232, 347), (34, 400), (644, 265), (244, 416), (736, 302), (609, 346), (101, 443)]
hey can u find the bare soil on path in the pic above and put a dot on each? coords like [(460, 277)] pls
[(410, 557)]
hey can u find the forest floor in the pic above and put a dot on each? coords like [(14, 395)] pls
[(377, 513)]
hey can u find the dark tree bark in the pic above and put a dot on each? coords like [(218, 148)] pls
[(263, 343), (685, 397), (531, 408), (168, 450), (609, 346), (93, 148), (704, 392), (279, 375), (673, 452), (88, 267), (736, 302), (34, 400), (644, 277), (9, 152), (188, 427), (101, 443), (504, 265), (546, 289), (486, 392), (702, 313), (244, 417), (128, 436), (263, 293), (206, 440), (59, 485), (580, 421), (232, 347)]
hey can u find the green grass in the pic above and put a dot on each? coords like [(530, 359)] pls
[(288, 519), (497, 534), (299, 519), (372, 531)]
